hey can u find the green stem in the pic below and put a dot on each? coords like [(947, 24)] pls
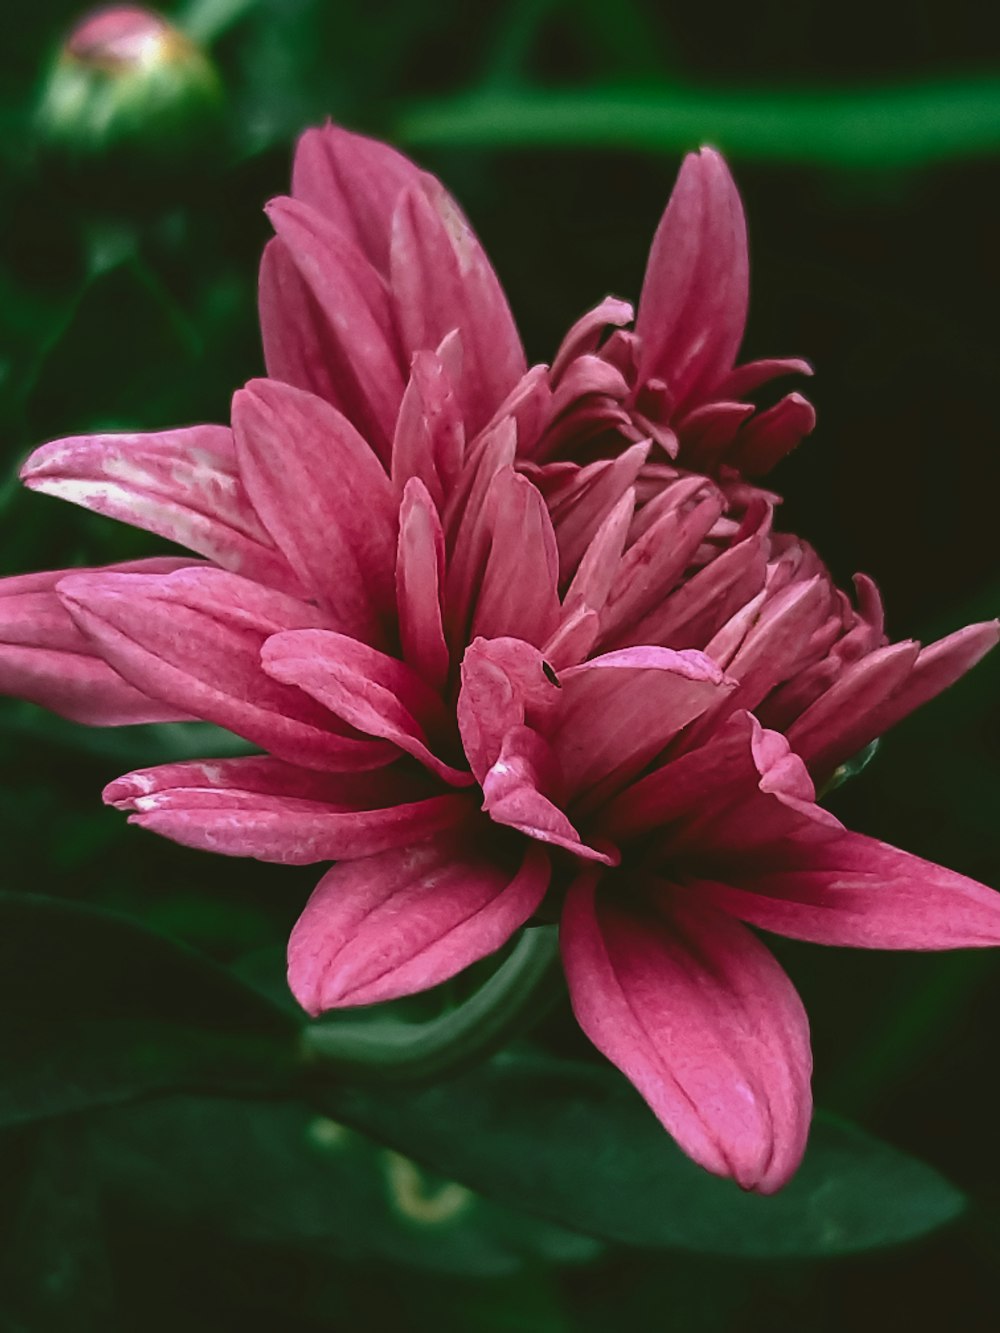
[(517, 993)]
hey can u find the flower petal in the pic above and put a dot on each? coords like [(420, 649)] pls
[(360, 331), (46, 659), (355, 183), (855, 891), (181, 484), (325, 499), (770, 435), (193, 639), (693, 306), (521, 540), (515, 793), (408, 919), (503, 680), (376, 694), (429, 442), (701, 1018), (419, 578), (442, 280), (619, 710), (262, 808)]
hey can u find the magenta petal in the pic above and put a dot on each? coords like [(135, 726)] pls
[(770, 435), (516, 792), (405, 920), (503, 680), (420, 567), (374, 693), (46, 659), (585, 335), (693, 306), (181, 484), (701, 1018), (325, 499), (262, 808), (744, 379), (355, 183), (442, 280), (855, 891), (521, 539), (617, 711), (429, 442), (193, 639), (360, 330)]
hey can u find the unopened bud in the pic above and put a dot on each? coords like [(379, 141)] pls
[(126, 76)]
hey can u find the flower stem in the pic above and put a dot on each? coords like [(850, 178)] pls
[(518, 993)]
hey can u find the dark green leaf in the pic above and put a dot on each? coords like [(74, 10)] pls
[(97, 1010), (575, 1143), (278, 1173)]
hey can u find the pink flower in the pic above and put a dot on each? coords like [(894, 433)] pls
[(480, 681), (374, 260)]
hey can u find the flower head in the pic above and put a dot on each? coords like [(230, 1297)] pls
[(481, 679)]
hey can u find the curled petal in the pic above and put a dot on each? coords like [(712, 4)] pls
[(405, 920), (770, 435), (701, 1018), (504, 682)]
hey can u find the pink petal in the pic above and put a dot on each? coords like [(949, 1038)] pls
[(193, 639), (181, 484), (770, 435), (744, 379), (701, 1018), (585, 335), (703, 603), (693, 306), (517, 792), (601, 560), (653, 565), (408, 919), (710, 430), (468, 527), (851, 890), (261, 808), (840, 722), (299, 346), (442, 280), (360, 330), (617, 711), (355, 183), (372, 692), (419, 576), (325, 499), (47, 660), (583, 499), (522, 543), (429, 442), (503, 681)]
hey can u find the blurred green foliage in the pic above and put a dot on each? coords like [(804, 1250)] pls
[(865, 143)]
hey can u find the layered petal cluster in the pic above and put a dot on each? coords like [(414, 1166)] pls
[(490, 660)]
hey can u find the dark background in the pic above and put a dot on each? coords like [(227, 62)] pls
[(127, 279)]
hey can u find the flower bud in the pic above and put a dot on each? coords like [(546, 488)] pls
[(126, 77)]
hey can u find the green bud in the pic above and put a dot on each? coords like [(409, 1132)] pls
[(124, 79)]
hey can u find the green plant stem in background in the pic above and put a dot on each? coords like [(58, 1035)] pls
[(902, 125), (516, 995), (204, 21)]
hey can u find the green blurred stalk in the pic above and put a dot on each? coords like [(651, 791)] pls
[(889, 126)]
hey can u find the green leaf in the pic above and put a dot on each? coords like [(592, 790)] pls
[(97, 1010), (905, 125), (278, 1173), (574, 1143), (55, 1274)]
